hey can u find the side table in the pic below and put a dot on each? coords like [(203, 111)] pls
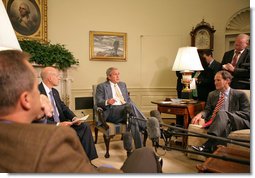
[(188, 110)]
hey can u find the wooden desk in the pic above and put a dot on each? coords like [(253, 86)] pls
[(220, 166), (188, 111)]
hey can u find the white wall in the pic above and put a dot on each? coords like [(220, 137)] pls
[(155, 30)]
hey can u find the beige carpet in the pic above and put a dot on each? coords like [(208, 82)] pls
[(173, 161)]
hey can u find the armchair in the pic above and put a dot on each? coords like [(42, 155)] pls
[(108, 129)]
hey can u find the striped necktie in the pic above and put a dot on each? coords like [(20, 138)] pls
[(55, 112), (119, 95), (235, 58), (215, 111)]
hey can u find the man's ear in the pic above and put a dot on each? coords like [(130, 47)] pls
[(228, 81), (25, 100)]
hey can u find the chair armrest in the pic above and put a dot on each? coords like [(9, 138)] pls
[(99, 118)]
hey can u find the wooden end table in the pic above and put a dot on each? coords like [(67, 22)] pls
[(187, 110)]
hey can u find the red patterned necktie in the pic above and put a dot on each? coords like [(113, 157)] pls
[(234, 60), (216, 109)]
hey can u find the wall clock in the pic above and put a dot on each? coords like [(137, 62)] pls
[(202, 36)]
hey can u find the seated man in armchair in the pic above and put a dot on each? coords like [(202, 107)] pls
[(226, 110), (112, 96)]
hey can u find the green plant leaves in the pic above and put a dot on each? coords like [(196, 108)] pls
[(47, 54)]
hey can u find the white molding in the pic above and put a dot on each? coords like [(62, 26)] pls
[(142, 97)]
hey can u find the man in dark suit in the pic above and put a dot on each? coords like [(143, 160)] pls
[(44, 148), (237, 62), (116, 104), (205, 81), (50, 78), (232, 113)]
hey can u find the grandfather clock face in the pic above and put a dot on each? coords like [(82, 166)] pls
[(202, 39), (202, 36)]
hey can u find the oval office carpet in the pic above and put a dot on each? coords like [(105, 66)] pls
[(173, 161)]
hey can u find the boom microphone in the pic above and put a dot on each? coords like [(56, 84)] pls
[(156, 113), (154, 133), (153, 130)]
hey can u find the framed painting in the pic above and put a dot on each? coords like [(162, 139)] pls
[(108, 46), (28, 18)]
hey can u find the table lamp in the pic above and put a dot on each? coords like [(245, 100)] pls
[(187, 61), (8, 39)]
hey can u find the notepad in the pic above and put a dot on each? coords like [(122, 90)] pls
[(83, 119)]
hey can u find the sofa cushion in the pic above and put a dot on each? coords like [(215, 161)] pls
[(239, 134)]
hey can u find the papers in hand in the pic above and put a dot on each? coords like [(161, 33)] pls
[(83, 119)]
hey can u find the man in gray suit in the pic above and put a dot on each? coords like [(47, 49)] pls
[(112, 96), (232, 114)]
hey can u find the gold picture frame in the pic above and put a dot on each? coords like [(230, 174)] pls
[(28, 18), (108, 46)]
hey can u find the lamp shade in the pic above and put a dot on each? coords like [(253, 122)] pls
[(8, 39), (187, 59)]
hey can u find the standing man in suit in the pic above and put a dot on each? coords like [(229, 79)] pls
[(232, 113), (205, 81), (44, 148), (112, 96), (63, 116), (237, 62), (211, 62)]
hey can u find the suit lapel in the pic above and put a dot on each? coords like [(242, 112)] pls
[(230, 99), (241, 58), (230, 57), (108, 90), (42, 89)]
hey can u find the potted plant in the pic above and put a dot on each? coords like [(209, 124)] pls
[(47, 54)]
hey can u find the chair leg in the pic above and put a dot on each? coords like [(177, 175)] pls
[(107, 143), (145, 138), (96, 134)]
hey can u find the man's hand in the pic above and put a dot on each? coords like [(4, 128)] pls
[(229, 67), (111, 101), (76, 123), (198, 120), (65, 123), (46, 107)]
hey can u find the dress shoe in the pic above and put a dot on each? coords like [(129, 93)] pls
[(129, 153), (202, 148), (160, 160)]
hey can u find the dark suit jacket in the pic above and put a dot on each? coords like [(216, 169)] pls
[(205, 82), (239, 105), (215, 66), (33, 148), (241, 74), (179, 85), (65, 114)]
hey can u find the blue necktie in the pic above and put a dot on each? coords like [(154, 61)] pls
[(55, 113)]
